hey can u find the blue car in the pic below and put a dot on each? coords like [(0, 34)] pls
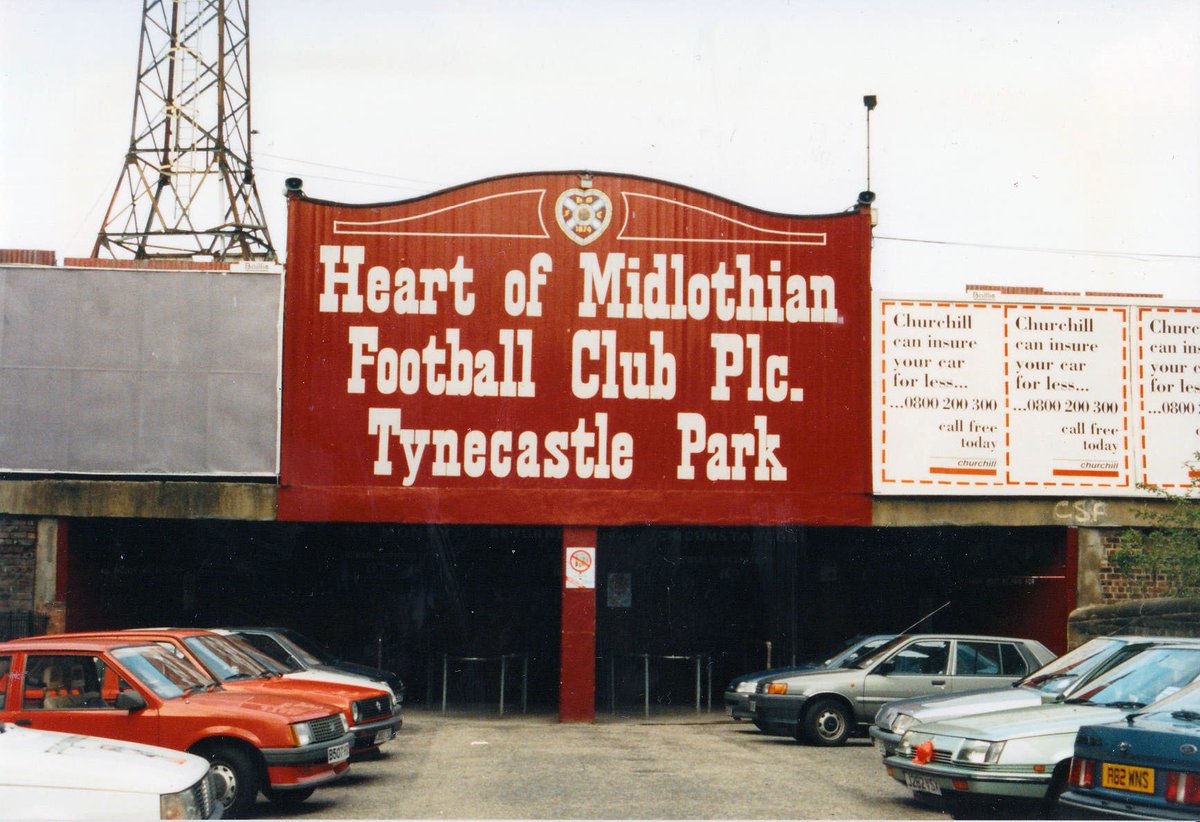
[(739, 691), (1145, 767)]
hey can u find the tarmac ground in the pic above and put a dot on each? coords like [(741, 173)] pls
[(677, 764)]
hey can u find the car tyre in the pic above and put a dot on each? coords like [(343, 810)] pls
[(287, 799), (1058, 784), (826, 722), (236, 779)]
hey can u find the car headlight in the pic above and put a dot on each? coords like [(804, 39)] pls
[(303, 733), (746, 687), (905, 746), (355, 713), (345, 724), (180, 805), (979, 752), (903, 722)]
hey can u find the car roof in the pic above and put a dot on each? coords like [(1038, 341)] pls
[(985, 637), (71, 642), (131, 632)]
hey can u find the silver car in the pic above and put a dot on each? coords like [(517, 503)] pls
[(1052, 683), (741, 689), (1026, 753), (826, 707)]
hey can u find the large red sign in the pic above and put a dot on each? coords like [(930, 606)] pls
[(574, 350)]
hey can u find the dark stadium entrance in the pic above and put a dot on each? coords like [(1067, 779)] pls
[(451, 606)]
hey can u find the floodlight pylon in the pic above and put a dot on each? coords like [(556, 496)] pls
[(187, 188)]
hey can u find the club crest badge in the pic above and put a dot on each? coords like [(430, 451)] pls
[(583, 213)]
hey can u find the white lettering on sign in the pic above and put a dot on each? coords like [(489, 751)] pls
[(407, 291), (586, 452), (668, 292), (447, 369), (728, 454), (452, 357), (626, 374)]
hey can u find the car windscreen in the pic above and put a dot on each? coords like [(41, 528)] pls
[(227, 662), (872, 659), (1056, 676), (266, 660), (1183, 704), (1147, 677), (269, 647), (161, 671), (854, 653), (308, 650)]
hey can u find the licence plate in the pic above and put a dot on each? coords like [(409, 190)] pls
[(339, 753), (1127, 778), (384, 736), (919, 782)]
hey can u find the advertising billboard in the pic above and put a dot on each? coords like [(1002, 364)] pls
[(1067, 397), (575, 349)]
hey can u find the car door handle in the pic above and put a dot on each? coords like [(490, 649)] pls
[(24, 723), (939, 683)]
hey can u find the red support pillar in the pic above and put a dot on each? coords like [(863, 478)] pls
[(577, 683)]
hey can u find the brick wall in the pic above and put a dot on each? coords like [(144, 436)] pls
[(1118, 587), (18, 559)]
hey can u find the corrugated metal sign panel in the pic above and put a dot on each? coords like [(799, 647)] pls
[(535, 349)]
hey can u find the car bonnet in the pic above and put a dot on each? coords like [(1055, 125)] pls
[(33, 758), (949, 706), (1043, 720)]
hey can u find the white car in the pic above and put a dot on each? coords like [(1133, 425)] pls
[(49, 775), (1026, 753)]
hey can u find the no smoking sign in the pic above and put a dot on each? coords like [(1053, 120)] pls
[(581, 568)]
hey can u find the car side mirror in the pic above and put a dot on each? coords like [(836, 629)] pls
[(884, 668), (130, 701)]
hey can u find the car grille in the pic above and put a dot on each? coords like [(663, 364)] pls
[(374, 708), (944, 757), (202, 794), (326, 728)]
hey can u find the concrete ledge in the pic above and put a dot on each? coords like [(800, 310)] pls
[(1078, 512), (152, 499), (1168, 616)]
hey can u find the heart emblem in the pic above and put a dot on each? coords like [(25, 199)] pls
[(583, 213)]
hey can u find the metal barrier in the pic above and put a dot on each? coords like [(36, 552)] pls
[(16, 624), (701, 661), (503, 659)]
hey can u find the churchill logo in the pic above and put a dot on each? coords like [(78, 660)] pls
[(583, 214)]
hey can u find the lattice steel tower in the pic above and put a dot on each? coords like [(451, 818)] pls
[(187, 188)]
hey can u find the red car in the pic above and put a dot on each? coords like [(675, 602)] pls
[(370, 713), (130, 689)]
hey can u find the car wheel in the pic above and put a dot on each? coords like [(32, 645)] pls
[(287, 799), (826, 722), (236, 779), (1058, 784)]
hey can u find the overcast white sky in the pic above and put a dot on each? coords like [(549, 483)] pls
[(1030, 128)]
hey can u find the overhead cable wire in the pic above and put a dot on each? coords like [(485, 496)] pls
[(347, 168), (391, 186), (1134, 255)]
